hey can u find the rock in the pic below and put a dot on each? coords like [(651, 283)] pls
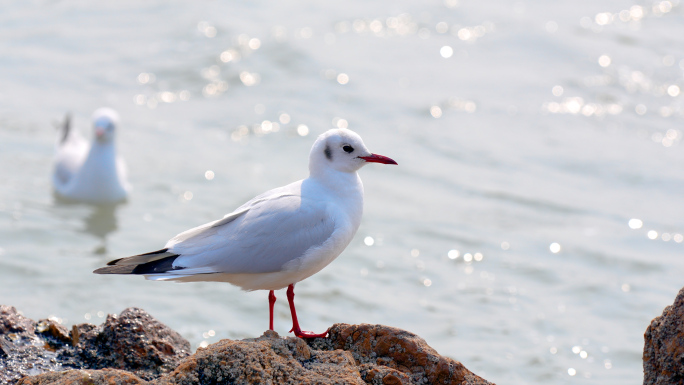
[(664, 346), (54, 334), (13, 322), (133, 341), (22, 351), (134, 348), (388, 355), (268, 359), (86, 377)]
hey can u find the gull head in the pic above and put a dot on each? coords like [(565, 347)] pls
[(341, 150), (105, 121)]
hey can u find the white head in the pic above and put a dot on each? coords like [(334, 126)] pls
[(105, 121), (341, 150)]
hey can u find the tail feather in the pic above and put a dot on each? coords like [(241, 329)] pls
[(66, 127), (155, 262)]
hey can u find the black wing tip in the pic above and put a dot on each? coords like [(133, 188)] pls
[(114, 270), (157, 266), (115, 261), (112, 263)]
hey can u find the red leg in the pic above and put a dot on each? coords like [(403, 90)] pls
[(295, 323), (271, 302)]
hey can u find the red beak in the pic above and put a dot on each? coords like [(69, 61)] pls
[(375, 158)]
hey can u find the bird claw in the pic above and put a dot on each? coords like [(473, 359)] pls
[(305, 334)]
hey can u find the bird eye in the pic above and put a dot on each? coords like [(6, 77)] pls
[(347, 148)]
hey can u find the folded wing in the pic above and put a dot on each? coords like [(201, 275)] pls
[(260, 237)]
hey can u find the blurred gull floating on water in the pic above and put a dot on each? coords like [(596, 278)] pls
[(90, 173)]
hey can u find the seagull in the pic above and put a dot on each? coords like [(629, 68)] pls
[(278, 238), (90, 173)]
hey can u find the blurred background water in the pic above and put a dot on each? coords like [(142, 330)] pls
[(532, 229)]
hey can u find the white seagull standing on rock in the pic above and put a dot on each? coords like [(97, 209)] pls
[(90, 173), (276, 239)]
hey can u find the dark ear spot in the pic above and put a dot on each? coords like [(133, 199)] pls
[(328, 153)]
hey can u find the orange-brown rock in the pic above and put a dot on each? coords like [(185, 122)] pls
[(268, 359), (388, 355), (664, 346), (84, 377)]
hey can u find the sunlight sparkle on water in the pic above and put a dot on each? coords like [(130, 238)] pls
[(369, 241), (635, 223), (673, 90), (555, 248), (167, 97), (604, 60), (206, 29), (209, 175), (145, 78), (652, 234), (343, 78), (249, 79), (557, 91), (339, 122), (446, 51), (453, 254), (230, 55), (302, 130), (451, 3), (254, 43)]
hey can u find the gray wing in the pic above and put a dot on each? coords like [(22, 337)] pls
[(260, 238)]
